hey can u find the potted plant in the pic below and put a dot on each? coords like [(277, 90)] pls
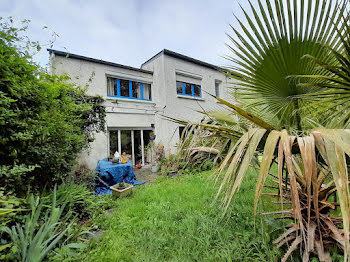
[(121, 190), (154, 167), (152, 136)]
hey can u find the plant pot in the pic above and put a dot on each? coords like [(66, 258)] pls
[(173, 173), (154, 169), (119, 193)]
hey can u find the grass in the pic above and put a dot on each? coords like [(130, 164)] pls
[(173, 220)]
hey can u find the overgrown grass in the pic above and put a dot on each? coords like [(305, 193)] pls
[(173, 220)]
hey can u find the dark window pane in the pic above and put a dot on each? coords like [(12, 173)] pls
[(146, 141), (217, 89), (181, 130), (124, 87), (136, 90), (126, 142), (137, 146), (197, 90), (179, 87), (147, 91), (188, 89), (113, 142)]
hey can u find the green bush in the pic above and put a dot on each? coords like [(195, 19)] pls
[(81, 174), (45, 121)]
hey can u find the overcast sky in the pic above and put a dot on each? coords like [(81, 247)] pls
[(128, 31)]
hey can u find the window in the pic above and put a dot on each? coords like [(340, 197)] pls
[(123, 88), (188, 89), (134, 142), (147, 92), (197, 90), (136, 89), (181, 130), (217, 89), (179, 87), (111, 86)]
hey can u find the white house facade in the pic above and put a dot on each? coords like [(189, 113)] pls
[(137, 99)]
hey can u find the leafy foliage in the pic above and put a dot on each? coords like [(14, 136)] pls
[(44, 120), (9, 205), (75, 198), (33, 240)]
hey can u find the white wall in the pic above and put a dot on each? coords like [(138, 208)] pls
[(167, 70), (135, 114), (119, 112)]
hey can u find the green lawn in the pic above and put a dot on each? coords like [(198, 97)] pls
[(173, 220)]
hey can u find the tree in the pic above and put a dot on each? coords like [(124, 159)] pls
[(312, 161), (45, 121)]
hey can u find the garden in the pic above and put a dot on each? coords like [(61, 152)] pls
[(264, 179)]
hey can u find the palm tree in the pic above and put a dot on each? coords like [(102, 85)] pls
[(335, 87), (311, 160)]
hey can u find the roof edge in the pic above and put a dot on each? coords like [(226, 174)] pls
[(94, 60), (182, 57)]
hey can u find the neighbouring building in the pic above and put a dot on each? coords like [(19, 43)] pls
[(137, 99)]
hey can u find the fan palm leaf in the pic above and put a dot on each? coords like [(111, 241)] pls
[(269, 49), (335, 86)]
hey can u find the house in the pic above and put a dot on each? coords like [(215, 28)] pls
[(137, 99)]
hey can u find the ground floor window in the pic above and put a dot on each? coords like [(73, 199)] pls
[(133, 142)]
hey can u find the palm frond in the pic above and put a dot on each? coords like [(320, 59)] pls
[(335, 84), (269, 49), (312, 227)]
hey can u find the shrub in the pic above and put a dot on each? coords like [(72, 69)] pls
[(82, 175), (45, 121)]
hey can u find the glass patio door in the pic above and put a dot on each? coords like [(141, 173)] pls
[(132, 142)]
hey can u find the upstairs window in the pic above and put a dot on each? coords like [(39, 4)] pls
[(112, 86), (123, 88), (188, 89), (217, 89)]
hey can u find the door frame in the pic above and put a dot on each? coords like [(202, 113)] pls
[(132, 129)]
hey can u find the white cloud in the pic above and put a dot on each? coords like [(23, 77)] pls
[(128, 31)]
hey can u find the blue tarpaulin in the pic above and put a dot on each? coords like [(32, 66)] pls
[(113, 174)]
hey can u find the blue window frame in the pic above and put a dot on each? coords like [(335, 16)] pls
[(129, 89), (187, 89)]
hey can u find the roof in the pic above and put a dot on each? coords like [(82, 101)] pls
[(94, 60), (182, 57)]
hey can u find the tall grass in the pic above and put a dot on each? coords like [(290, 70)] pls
[(173, 220)]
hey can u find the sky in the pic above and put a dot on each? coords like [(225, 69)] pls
[(128, 32)]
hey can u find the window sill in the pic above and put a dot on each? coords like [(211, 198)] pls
[(117, 99), (191, 97)]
